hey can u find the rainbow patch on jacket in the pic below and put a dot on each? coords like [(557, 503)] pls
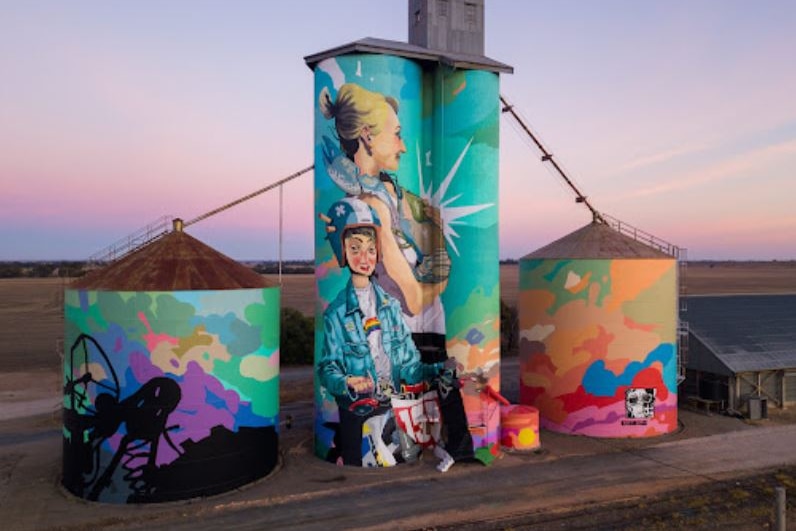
[(372, 324)]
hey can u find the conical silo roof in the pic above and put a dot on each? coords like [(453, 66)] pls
[(597, 241), (175, 262)]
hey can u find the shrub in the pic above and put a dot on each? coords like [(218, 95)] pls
[(297, 338), (509, 329)]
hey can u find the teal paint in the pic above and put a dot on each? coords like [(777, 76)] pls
[(169, 395), (446, 169)]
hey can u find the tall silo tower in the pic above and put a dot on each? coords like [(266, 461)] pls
[(598, 335), (406, 140), (171, 375), (451, 25)]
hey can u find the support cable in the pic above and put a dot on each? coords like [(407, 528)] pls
[(164, 225), (678, 253), (249, 196), (548, 157), (280, 234)]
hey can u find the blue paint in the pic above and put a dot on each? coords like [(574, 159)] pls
[(600, 381)]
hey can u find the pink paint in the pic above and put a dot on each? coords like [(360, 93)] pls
[(152, 339), (519, 427)]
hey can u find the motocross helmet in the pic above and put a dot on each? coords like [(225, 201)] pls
[(344, 215)]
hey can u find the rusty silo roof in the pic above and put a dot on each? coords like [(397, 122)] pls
[(175, 262), (597, 241)]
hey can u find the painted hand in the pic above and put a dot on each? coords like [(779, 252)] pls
[(432, 213), (360, 384)]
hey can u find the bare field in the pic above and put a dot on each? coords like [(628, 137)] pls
[(713, 278), (31, 324), (701, 278), (298, 292), (31, 310)]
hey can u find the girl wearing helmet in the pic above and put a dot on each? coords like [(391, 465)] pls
[(368, 352)]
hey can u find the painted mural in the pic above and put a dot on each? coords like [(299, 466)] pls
[(406, 261), (598, 347), (169, 395)]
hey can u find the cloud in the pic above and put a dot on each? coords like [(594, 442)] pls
[(662, 157), (723, 170)]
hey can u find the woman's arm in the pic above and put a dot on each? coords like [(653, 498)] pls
[(416, 294)]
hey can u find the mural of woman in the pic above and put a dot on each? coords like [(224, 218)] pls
[(368, 356), (415, 264), (369, 134)]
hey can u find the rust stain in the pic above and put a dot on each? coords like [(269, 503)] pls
[(174, 262)]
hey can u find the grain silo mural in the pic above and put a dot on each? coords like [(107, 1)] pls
[(598, 348), (406, 259), (171, 393)]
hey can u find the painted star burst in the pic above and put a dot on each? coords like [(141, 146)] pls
[(451, 215)]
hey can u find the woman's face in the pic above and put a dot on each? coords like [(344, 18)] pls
[(388, 146), (361, 254)]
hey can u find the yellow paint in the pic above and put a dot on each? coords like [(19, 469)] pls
[(630, 277), (204, 351), (538, 332), (526, 438), (534, 379), (258, 367), (198, 338)]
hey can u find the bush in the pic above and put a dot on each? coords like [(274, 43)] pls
[(509, 329), (297, 338)]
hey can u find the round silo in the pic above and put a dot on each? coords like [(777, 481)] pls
[(437, 290), (598, 323), (171, 375)]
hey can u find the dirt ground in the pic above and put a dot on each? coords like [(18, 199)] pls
[(31, 332)]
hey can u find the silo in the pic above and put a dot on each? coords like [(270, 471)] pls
[(406, 142), (598, 321), (171, 375)]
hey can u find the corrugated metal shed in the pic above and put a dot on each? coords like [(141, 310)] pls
[(745, 333), (411, 51), (174, 262), (597, 241)]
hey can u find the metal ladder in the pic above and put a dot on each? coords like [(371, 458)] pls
[(682, 323), (129, 244), (681, 255)]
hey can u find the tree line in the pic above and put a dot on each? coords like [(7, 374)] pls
[(78, 268)]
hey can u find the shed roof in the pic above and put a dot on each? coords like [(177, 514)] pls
[(175, 262), (746, 333), (411, 51), (597, 241)]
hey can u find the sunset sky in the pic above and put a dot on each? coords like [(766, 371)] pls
[(677, 117)]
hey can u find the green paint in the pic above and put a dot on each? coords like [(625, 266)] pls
[(475, 312), (266, 317), (263, 396), (172, 317)]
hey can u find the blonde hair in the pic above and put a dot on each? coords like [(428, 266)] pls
[(355, 109)]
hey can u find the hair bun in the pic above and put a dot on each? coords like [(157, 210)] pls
[(328, 108)]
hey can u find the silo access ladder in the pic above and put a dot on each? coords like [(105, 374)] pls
[(164, 224)]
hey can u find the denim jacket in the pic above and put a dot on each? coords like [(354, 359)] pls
[(346, 351)]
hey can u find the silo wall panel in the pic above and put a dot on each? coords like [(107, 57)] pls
[(598, 345), (169, 395), (444, 279)]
